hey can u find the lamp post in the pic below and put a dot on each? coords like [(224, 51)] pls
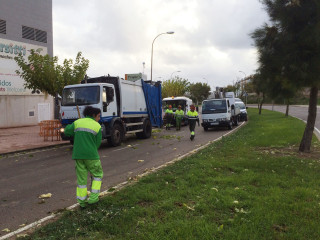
[(173, 73), (152, 48)]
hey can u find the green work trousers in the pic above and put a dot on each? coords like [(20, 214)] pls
[(82, 169), (192, 126), (178, 122)]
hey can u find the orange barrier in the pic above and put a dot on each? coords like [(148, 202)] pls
[(50, 128)]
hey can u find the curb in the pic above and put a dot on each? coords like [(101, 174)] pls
[(121, 185), (34, 149)]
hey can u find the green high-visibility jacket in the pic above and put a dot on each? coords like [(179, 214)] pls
[(179, 113), (87, 138), (169, 111)]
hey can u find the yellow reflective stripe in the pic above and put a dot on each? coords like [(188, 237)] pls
[(192, 133), (81, 192), (87, 123), (96, 185)]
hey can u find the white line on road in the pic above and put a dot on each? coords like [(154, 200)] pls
[(119, 186)]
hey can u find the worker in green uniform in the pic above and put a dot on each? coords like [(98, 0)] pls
[(179, 115), (169, 117), (193, 118), (87, 139)]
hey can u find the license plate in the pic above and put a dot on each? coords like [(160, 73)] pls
[(214, 123)]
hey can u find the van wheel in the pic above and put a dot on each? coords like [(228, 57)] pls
[(147, 129), (235, 122), (116, 135), (205, 129)]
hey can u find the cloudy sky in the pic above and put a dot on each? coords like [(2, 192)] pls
[(211, 41)]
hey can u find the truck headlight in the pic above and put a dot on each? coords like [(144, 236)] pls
[(205, 120), (62, 130)]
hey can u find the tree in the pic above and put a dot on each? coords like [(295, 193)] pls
[(270, 48), (43, 73), (297, 22), (231, 88), (199, 92), (174, 87)]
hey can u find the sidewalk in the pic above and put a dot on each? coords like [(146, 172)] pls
[(23, 138)]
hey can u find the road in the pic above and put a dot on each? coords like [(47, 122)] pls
[(24, 177)]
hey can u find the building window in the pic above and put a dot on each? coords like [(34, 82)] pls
[(34, 34), (3, 26)]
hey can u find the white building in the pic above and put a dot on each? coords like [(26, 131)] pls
[(24, 25)]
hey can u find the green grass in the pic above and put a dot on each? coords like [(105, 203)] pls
[(252, 184)]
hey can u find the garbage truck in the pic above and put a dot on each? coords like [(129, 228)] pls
[(222, 112), (126, 106)]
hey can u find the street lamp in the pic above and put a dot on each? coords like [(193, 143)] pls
[(173, 73), (152, 48)]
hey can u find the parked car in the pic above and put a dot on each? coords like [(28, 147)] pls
[(243, 111)]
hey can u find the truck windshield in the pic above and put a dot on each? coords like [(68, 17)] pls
[(214, 106), (80, 96), (240, 105)]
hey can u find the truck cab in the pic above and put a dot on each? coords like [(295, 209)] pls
[(97, 95), (219, 113)]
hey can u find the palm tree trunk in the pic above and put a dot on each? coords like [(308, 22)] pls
[(305, 143), (260, 108), (287, 108)]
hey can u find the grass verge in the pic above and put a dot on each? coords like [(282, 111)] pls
[(251, 185)]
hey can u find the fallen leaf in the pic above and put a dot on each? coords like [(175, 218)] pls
[(22, 225), (175, 149), (47, 195), (22, 235), (129, 146), (236, 202), (6, 230), (41, 201), (214, 189), (190, 208), (140, 160)]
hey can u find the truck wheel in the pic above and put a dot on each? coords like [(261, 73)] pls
[(147, 129), (116, 135), (230, 125), (205, 129)]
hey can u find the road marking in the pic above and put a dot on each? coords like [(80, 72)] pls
[(120, 185)]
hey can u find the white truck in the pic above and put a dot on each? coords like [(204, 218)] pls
[(220, 112), (126, 106), (184, 102)]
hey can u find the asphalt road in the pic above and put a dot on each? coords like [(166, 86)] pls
[(24, 177)]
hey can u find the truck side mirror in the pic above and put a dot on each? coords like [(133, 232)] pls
[(232, 106)]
